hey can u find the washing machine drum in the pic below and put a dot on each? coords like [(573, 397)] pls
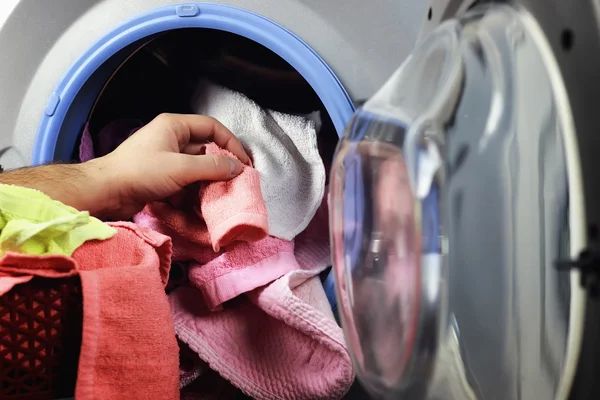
[(454, 192)]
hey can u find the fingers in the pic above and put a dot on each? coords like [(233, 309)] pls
[(198, 128), (187, 169), (194, 149)]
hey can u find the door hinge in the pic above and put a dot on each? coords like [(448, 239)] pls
[(588, 264)]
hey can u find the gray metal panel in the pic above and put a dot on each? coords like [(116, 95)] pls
[(572, 29), (441, 10), (362, 42)]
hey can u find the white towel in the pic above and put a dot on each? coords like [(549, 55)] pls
[(315, 116), (283, 150)]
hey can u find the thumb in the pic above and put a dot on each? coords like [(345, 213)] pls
[(194, 168)]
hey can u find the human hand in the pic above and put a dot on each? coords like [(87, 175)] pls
[(162, 158)]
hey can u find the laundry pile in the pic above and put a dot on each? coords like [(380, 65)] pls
[(128, 343), (211, 291)]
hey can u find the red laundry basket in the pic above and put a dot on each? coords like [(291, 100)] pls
[(40, 339)]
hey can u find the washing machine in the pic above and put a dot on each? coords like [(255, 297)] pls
[(344, 56), (462, 195), (463, 210)]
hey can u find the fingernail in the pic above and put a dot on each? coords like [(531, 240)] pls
[(235, 167)]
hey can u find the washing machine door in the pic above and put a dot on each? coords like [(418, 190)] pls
[(454, 192)]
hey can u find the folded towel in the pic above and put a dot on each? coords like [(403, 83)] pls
[(237, 269), (108, 139), (279, 342), (128, 349), (242, 267), (33, 223), (233, 210), (284, 152)]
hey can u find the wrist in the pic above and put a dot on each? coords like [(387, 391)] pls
[(100, 193)]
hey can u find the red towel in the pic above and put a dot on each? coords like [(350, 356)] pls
[(128, 349)]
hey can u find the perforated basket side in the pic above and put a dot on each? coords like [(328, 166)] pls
[(40, 338)]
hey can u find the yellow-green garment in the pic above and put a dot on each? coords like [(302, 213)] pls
[(33, 223)]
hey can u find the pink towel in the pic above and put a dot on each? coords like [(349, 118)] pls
[(242, 267), (128, 349), (279, 342), (233, 215), (180, 223), (248, 222), (237, 269), (230, 211)]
